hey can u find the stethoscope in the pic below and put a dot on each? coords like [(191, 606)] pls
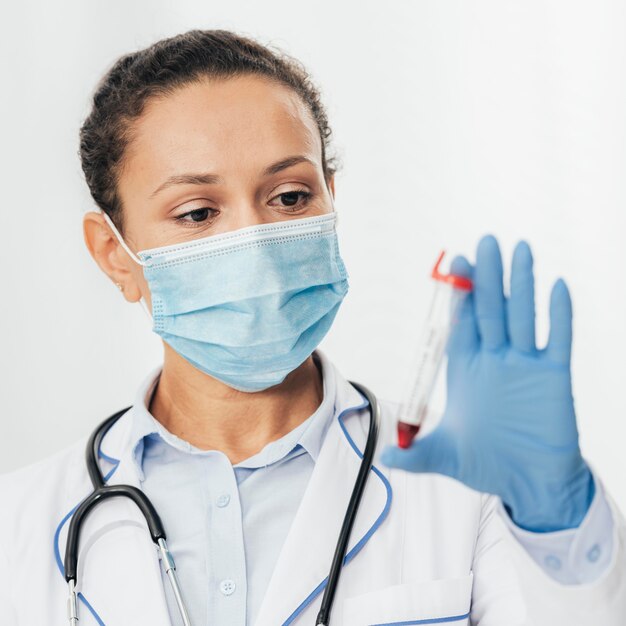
[(102, 492)]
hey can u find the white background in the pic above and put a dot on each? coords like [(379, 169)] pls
[(452, 119)]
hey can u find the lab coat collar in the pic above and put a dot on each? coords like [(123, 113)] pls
[(119, 573), (119, 576), (301, 572)]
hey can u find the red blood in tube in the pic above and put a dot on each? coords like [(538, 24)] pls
[(406, 434)]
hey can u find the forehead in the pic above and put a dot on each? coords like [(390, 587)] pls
[(228, 125)]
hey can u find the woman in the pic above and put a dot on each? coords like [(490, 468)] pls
[(207, 155)]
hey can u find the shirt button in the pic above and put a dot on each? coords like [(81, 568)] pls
[(594, 553), (223, 500), (553, 562), (227, 586)]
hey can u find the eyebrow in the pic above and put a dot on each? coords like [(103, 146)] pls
[(212, 179)]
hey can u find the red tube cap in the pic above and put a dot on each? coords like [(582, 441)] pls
[(459, 282)]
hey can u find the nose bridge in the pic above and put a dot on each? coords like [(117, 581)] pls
[(248, 207), (248, 211)]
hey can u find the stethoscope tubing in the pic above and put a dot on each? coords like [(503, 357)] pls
[(323, 617), (103, 492)]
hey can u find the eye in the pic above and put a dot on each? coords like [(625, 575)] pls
[(291, 199), (197, 216)]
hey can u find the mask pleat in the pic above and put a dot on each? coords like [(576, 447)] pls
[(251, 309)]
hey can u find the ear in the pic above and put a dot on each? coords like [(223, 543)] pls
[(110, 256)]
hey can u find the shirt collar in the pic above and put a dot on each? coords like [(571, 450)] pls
[(308, 435)]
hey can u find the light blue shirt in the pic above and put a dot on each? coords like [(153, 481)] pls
[(226, 524)]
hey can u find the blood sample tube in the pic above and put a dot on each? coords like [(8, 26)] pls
[(449, 292)]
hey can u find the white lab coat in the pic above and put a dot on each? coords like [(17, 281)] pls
[(424, 547)]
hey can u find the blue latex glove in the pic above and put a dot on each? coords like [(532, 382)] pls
[(509, 426)]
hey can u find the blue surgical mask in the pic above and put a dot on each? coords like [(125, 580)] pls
[(247, 306)]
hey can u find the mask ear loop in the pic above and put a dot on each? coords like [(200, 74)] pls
[(145, 309), (131, 254), (119, 237), (335, 212)]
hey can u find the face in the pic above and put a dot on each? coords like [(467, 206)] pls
[(213, 157)]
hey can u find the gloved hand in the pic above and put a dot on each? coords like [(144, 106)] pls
[(509, 426)]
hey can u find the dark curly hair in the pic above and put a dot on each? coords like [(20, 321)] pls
[(160, 69)]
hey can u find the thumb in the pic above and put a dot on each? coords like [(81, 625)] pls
[(430, 454)]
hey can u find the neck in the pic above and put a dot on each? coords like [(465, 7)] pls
[(213, 416)]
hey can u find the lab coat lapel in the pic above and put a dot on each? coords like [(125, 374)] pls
[(301, 572), (119, 577)]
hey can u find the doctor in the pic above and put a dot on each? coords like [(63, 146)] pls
[(208, 154)]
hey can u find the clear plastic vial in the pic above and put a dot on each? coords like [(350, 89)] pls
[(449, 292)]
